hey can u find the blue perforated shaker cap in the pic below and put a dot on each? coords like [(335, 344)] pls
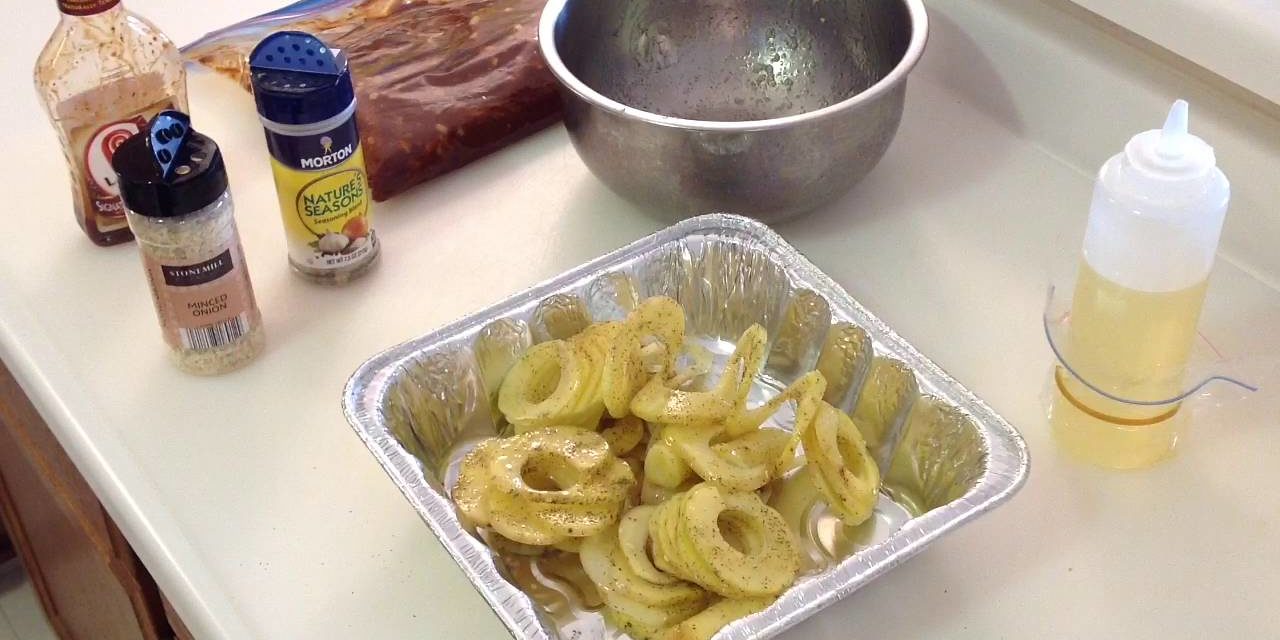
[(169, 169), (299, 80)]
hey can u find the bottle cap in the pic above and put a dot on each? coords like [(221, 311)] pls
[(169, 169), (298, 80), (1158, 210), (1171, 153)]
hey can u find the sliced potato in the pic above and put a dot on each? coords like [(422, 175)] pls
[(658, 319), (693, 444), (711, 620), (505, 545), (654, 494), (840, 466), (512, 520), (607, 567), (623, 376), (545, 486), (584, 471), (624, 435), (810, 385), (544, 387), (656, 402), (559, 492), (469, 493), (568, 568), (633, 540), (772, 448), (568, 545), (689, 542), (744, 365), (769, 562), (661, 318), (634, 629), (664, 467)]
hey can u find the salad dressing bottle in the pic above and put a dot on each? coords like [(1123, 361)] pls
[(1153, 230), (103, 74)]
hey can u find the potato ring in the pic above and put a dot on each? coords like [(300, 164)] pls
[(471, 489), (587, 490), (846, 475), (657, 402), (662, 318), (509, 519), (772, 447), (693, 445), (643, 622), (568, 456), (811, 385), (664, 467), (623, 375), (635, 604), (696, 564), (661, 535), (671, 554), (604, 563), (633, 540), (543, 386), (592, 347), (634, 629), (624, 435), (745, 364), (769, 563), (600, 485), (569, 545)]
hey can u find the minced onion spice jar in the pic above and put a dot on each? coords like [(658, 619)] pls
[(174, 186)]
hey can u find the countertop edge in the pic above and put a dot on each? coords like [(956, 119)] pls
[(121, 489)]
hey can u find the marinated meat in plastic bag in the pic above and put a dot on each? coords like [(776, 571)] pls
[(440, 82)]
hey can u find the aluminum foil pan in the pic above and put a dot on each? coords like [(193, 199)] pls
[(946, 457)]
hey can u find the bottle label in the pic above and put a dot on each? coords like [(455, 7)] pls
[(324, 197), (99, 193), (85, 7), (203, 303)]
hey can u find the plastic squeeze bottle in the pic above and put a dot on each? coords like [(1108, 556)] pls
[(1153, 230), (103, 74)]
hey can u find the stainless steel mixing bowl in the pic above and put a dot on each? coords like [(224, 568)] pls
[(764, 107)]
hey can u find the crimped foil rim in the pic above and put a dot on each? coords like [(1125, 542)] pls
[(1008, 461)]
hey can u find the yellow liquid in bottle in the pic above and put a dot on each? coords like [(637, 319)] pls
[(1134, 345)]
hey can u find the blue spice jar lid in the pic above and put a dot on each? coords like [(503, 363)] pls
[(169, 169), (298, 80)]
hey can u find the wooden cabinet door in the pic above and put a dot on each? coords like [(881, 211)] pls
[(87, 578)]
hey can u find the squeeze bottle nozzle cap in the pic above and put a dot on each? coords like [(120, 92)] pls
[(1174, 132), (1171, 153)]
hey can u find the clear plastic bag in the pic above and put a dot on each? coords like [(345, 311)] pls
[(440, 82)]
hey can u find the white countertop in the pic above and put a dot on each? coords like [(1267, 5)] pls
[(262, 515), (1238, 39)]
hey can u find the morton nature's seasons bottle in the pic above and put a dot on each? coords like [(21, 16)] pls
[(307, 105)]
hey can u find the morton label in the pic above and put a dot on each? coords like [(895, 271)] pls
[(315, 152), (324, 196)]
